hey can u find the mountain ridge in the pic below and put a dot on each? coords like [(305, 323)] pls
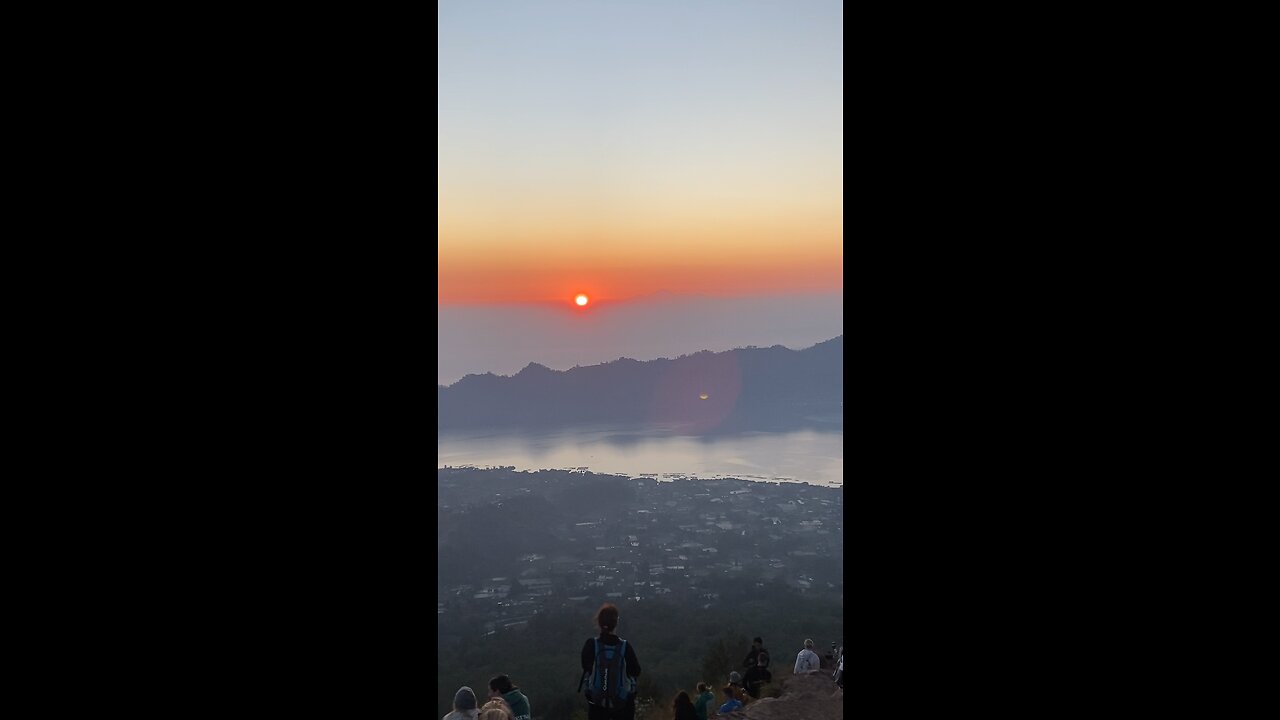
[(749, 388), (537, 365)]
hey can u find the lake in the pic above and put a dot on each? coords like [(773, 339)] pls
[(798, 456)]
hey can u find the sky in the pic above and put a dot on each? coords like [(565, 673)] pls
[(625, 148), (502, 339)]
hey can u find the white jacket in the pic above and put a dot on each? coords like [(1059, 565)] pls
[(462, 714), (806, 661)]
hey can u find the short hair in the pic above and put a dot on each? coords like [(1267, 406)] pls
[(501, 683), (607, 616), (495, 710), (703, 687), (758, 640), (808, 644)]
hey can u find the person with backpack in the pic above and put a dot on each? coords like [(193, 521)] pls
[(500, 688), (705, 698), (806, 660), (609, 670)]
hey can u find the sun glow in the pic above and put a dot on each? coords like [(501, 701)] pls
[(581, 299)]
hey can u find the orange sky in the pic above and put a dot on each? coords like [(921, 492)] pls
[(486, 283), (621, 149), (514, 254)]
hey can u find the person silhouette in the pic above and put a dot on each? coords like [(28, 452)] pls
[(807, 660), (464, 705), (600, 649)]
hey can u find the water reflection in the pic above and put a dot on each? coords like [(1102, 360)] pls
[(803, 455)]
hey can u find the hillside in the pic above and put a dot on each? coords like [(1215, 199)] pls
[(696, 567), (813, 697), (766, 389)]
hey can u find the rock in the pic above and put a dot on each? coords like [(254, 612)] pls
[(803, 696)]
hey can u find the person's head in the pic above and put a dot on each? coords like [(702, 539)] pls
[(703, 687), (496, 709), (808, 644), (607, 618), (735, 678), (728, 691), (500, 685), (682, 700), (464, 699), (757, 642)]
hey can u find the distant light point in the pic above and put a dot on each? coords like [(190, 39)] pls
[(703, 396), (581, 299)]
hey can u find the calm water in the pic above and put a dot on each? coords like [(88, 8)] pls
[(802, 456)]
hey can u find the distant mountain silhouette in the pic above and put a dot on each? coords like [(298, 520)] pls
[(766, 389)]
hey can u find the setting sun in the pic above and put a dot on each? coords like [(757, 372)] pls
[(581, 299)]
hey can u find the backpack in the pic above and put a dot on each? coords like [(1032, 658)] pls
[(609, 686)]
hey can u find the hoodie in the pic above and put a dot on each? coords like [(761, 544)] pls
[(700, 703), (519, 704)]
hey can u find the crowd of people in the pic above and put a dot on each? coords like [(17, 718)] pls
[(610, 669), (505, 702)]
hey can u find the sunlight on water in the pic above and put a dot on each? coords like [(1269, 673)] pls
[(800, 456)]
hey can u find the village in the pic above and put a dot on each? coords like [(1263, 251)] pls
[(679, 539)]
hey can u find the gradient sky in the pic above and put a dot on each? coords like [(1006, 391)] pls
[(479, 338), (620, 148)]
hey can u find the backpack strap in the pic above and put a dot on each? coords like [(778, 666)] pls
[(595, 648), (625, 680)]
